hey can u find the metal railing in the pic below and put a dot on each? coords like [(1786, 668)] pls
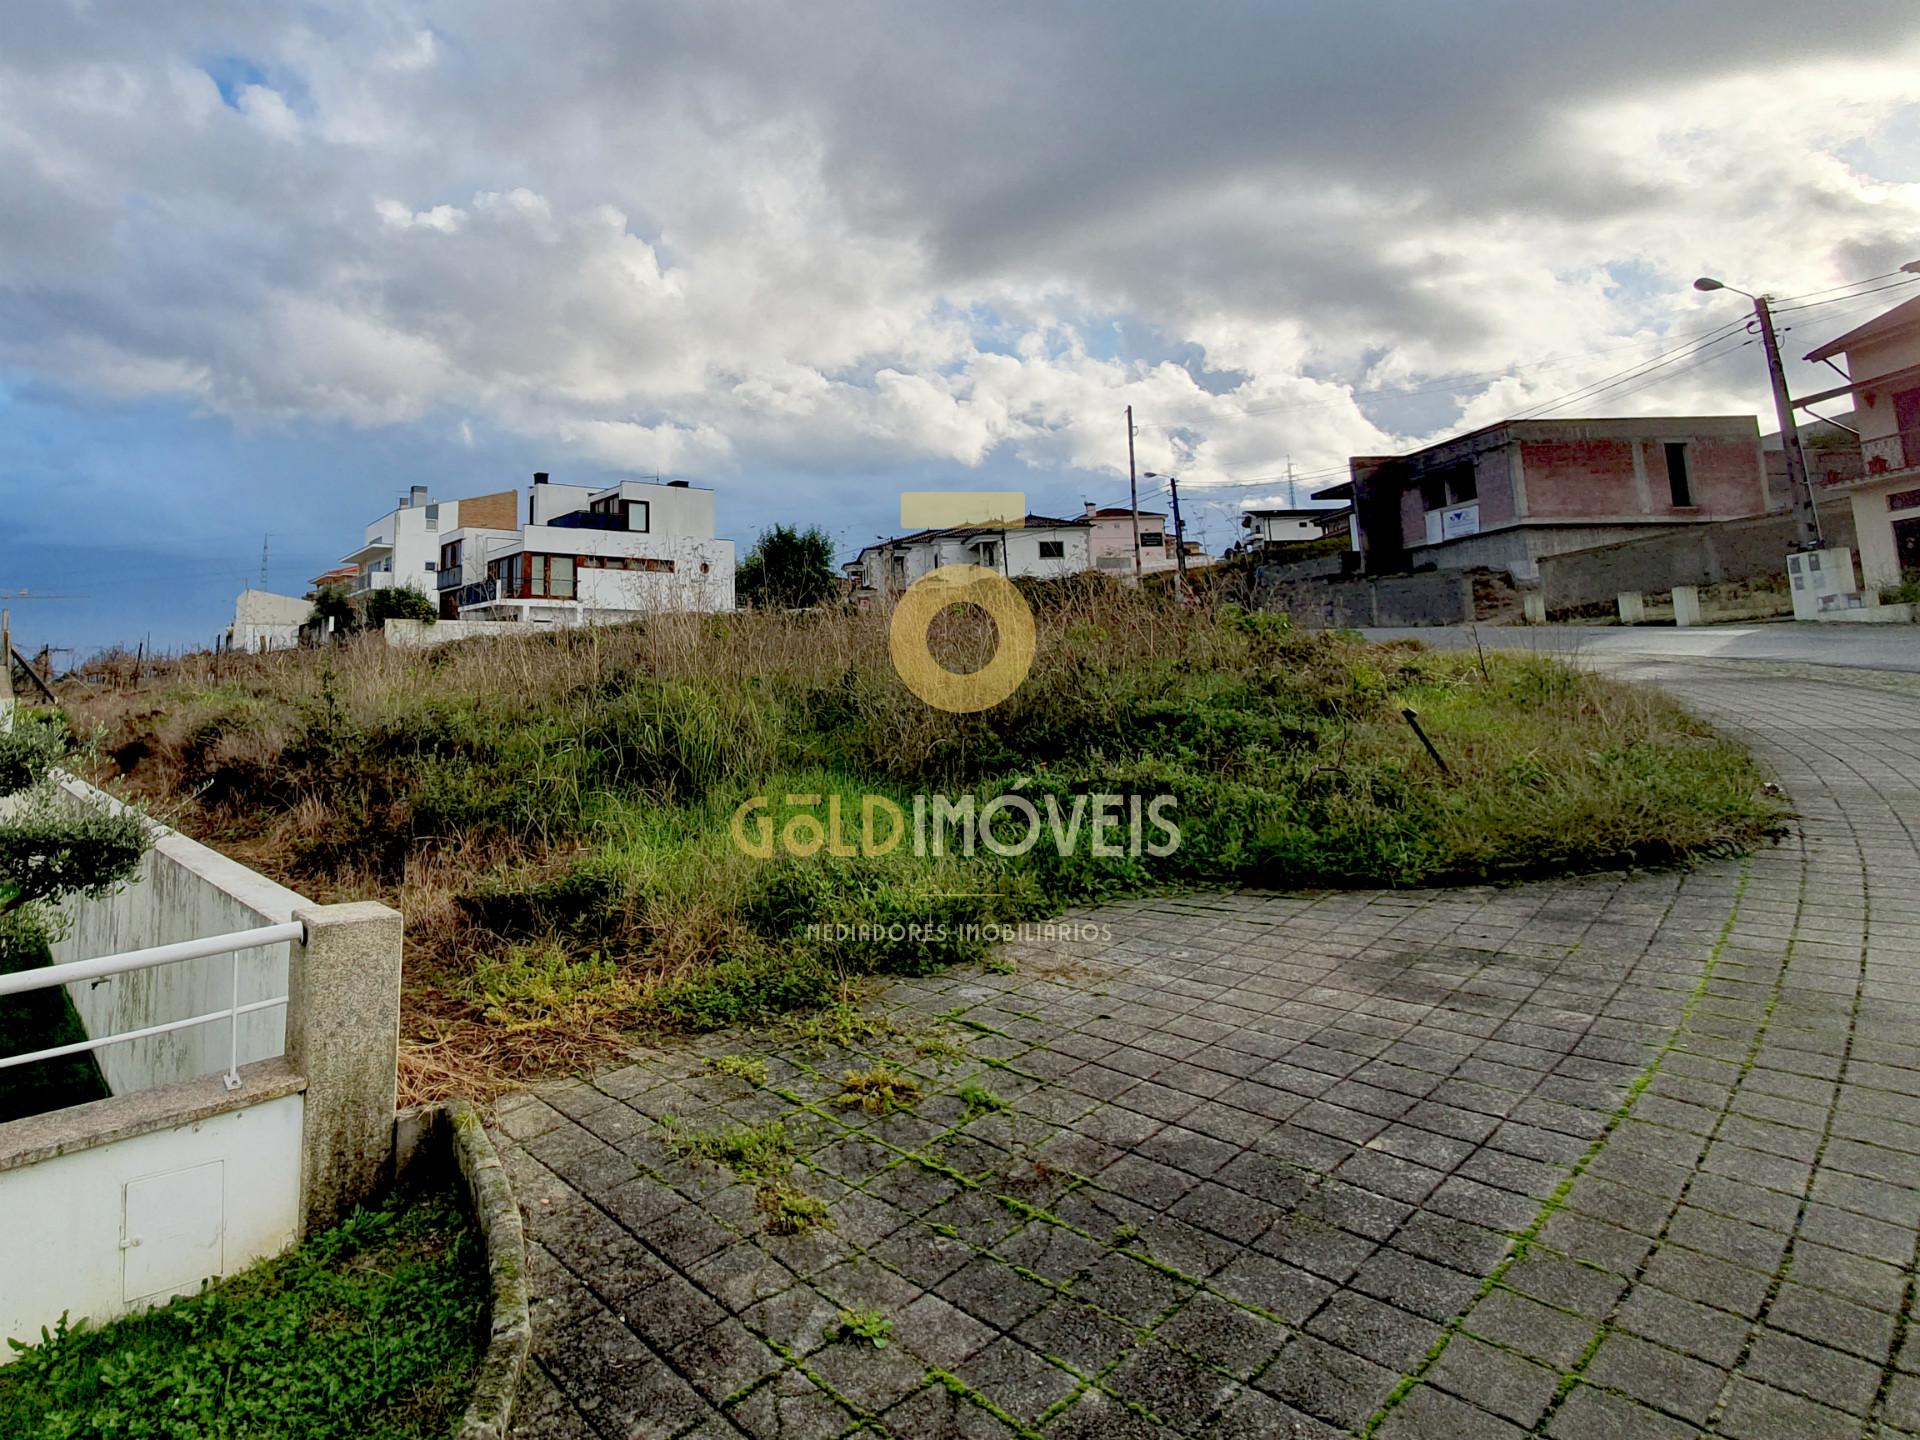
[(1886, 453), (51, 976)]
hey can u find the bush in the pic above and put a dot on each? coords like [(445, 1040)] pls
[(396, 602)]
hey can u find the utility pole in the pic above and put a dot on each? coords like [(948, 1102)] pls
[(1806, 513), (1179, 541), (1133, 499)]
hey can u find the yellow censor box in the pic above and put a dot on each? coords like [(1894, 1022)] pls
[(950, 509)]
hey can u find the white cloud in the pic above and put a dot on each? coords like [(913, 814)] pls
[(737, 240)]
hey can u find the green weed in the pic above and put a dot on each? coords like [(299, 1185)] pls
[(369, 1331), (868, 1325), (879, 1091), (748, 1068)]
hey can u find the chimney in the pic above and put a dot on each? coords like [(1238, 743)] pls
[(539, 477), (678, 484), (1091, 507), (417, 496)]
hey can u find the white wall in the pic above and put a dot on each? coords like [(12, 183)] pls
[(1110, 544), (265, 621), (183, 891), (207, 1199)]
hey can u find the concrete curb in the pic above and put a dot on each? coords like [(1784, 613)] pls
[(510, 1328)]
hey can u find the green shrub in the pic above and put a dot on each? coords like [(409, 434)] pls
[(369, 1331)]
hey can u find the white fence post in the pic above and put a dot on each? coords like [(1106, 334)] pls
[(343, 1037)]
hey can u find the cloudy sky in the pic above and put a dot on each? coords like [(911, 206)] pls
[(264, 266)]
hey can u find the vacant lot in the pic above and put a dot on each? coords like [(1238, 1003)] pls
[(557, 815)]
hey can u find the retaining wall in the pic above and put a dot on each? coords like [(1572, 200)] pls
[(1696, 555), (183, 891), (1388, 600)]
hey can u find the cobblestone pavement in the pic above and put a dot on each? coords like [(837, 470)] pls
[(1612, 1157)]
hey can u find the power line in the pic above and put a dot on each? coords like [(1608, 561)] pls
[(1461, 382), (1843, 299)]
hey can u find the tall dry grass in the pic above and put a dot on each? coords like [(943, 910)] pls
[(550, 811)]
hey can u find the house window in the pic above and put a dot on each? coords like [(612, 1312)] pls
[(989, 554), (1678, 481), (1462, 486), (1904, 500), (430, 567), (450, 555), (433, 517), (623, 514), (1152, 539), (1053, 549)]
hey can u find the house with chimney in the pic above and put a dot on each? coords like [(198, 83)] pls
[(402, 547), (1507, 495), (1882, 374)]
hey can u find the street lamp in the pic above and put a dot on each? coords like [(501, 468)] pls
[(1179, 535), (1806, 514)]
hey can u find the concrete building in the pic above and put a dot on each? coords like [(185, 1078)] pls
[(588, 554), (1110, 540), (402, 547), (264, 621), (1883, 379), (1504, 496), (1041, 548)]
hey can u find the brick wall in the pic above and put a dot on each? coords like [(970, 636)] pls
[(498, 511)]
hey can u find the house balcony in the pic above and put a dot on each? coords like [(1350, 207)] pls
[(1890, 454)]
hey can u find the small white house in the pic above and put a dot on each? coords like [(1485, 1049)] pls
[(1110, 540), (1291, 525), (587, 555), (1041, 548)]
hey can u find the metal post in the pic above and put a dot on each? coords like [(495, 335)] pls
[(1133, 498), (233, 1030), (1806, 513)]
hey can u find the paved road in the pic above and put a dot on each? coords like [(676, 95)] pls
[(1610, 1157), (1855, 647)]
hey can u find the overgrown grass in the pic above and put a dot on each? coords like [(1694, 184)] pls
[(553, 813), (369, 1331)]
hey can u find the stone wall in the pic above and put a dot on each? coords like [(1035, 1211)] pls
[(1360, 602)]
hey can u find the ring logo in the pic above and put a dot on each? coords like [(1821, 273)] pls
[(922, 601)]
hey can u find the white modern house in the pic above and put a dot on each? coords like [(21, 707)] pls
[(588, 555), (402, 547), (1292, 525)]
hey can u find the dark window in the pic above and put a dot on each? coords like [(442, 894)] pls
[(1462, 487), (1433, 493), (1053, 549), (1677, 479)]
